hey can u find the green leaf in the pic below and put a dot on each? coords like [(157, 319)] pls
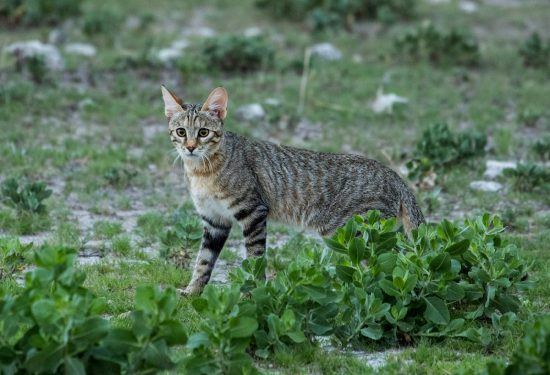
[(173, 332), (74, 366), (335, 246), (296, 336), (386, 262), (454, 292), (46, 360), (345, 273), (388, 288), (458, 248), (197, 340), (199, 304), (145, 299), (441, 263), (44, 311), (243, 327), (372, 331), (436, 311), (356, 250), (90, 332), (410, 283)]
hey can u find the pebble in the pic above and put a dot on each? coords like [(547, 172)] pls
[(494, 168), (488, 186), (326, 51), (31, 48), (250, 112)]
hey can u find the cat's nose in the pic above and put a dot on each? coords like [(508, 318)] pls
[(191, 149)]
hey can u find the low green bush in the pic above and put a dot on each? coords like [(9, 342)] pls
[(103, 21), (447, 48), (529, 177), (535, 52), (54, 325), (439, 147), (29, 197), (322, 14), (38, 12), (371, 284), (13, 256), (533, 354), (235, 53), (542, 148), (181, 239)]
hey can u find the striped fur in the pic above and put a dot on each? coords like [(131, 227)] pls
[(233, 178)]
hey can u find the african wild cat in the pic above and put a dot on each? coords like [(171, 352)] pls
[(231, 177)]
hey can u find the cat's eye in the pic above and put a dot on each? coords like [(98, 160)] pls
[(203, 132), (180, 132)]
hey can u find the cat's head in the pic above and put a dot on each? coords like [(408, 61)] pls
[(195, 130)]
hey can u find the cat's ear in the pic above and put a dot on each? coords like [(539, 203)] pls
[(172, 104), (216, 104)]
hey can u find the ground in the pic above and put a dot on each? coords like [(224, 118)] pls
[(96, 134)]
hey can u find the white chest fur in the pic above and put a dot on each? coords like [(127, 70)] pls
[(207, 198)]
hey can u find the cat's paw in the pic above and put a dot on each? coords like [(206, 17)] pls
[(190, 290)]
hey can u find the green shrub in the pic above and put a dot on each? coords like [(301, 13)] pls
[(28, 197), (234, 53), (439, 147), (533, 354), (371, 284), (438, 47), (101, 21), (542, 148), (38, 12), (54, 325), (35, 67), (529, 177), (120, 177), (323, 14), (535, 52), (184, 237), (107, 229), (12, 256)]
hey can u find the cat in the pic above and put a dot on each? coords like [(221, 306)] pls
[(234, 178)]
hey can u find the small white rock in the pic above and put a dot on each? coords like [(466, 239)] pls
[(326, 51), (201, 31), (489, 186), (274, 102), (82, 49), (175, 51), (250, 112), (31, 48), (385, 102), (252, 32), (467, 6), (495, 168)]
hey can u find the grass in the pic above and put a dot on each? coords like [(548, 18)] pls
[(113, 163)]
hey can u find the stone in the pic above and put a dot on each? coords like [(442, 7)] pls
[(488, 186), (174, 52), (467, 6), (385, 102), (31, 48), (326, 51), (494, 168), (82, 49), (250, 112)]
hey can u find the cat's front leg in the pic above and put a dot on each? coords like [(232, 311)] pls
[(254, 221), (214, 237)]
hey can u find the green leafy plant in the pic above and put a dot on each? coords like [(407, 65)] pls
[(439, 147), (28, 197), (542, 148), (219, 346), (438, 47), (535, 52), (322, 14), (38, 12), (184, 236), (533, 354), (120, 177), (103, 21), (529, 177), (234, 53), (54, 325), (13, 256), (372, 283)]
